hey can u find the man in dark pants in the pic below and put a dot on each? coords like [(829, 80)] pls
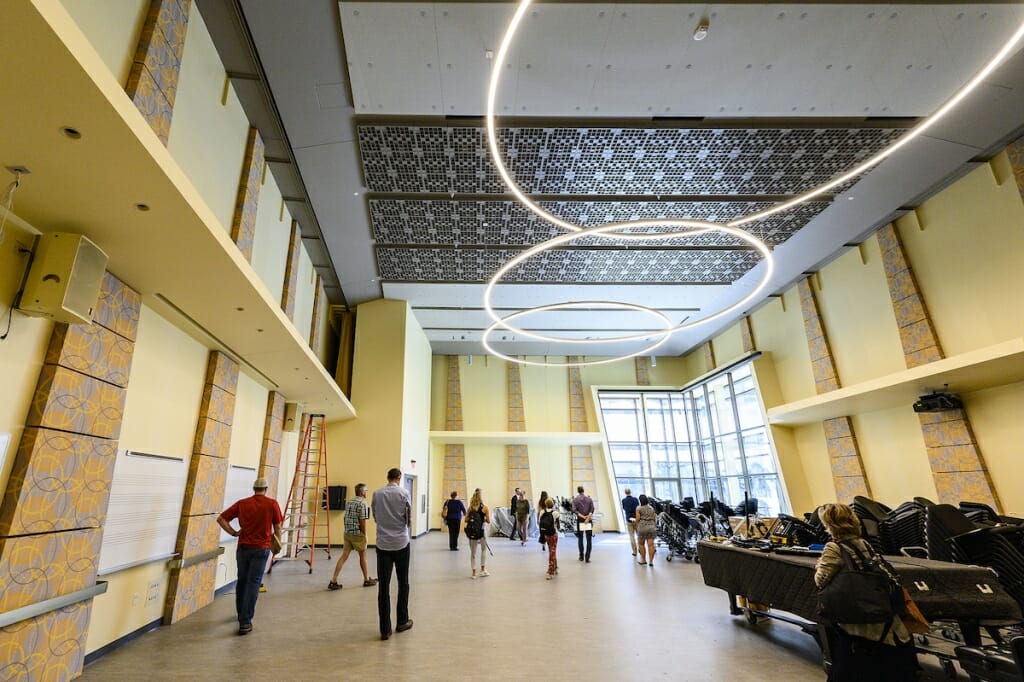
[(453, 511), (512, 513), (256, 516), (392, 510), (584, 508)]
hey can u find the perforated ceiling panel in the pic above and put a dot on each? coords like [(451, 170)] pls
[(648, 266), (614, 161), (507, 223)]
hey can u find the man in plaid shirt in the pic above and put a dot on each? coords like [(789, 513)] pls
[(356, 513)]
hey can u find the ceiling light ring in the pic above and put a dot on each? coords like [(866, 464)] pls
[(696, 227), (665, 333)]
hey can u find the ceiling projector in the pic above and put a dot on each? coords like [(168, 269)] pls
[(937, 402)]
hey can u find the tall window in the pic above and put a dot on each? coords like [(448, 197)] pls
[(708, 438)]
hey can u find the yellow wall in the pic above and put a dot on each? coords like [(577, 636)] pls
[(545, 398), (207, 137), (247, 423), (778, 330), (484, 394), (995, 415), (416, 417), (438, 395), (304, 285), (728, 345), (891, 447), (113, 28), (273, 232), (134, 598)]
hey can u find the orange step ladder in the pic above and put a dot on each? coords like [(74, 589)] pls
[(306, 520)]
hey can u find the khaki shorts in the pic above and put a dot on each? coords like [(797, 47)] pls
[(355, 542)]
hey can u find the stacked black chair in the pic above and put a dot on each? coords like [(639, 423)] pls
[(980, 512), (742, 508), (903, 528), (872, 515), (943, 523)]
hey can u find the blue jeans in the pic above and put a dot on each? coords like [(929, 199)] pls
[(252, 561), (386, 560)]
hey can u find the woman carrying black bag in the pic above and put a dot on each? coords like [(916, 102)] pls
[(879, 652)]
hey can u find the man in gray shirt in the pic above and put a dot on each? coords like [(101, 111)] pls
[(392, 511)]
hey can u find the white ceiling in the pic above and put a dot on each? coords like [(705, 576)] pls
[(328, 65)]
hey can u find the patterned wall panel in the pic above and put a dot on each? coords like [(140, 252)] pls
[(454, 477), (642, 366), (844, 458), (581, 456), (317, 317), (841, 442), (917, 334), (508, 223), (517, 456), (34, 568), (708, 352), (958, 466), (69, 401), (747, 333), (56, 498), (243, 225), (118, 308), (273, 427), (956, 460), (60, 481), (153, 79), (608, 161), (190, 589), (291, 272), (49, 647), (93, 350), (1015, 152), (557, 266)]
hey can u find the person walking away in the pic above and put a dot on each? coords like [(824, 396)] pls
[(522, 516), (549, 531), (629, 505), (257, 516), (881, 652), (541, 508), (583, 506), (646, 530), (356, 513), (392, 510), (476, 532), (453, 511), (512, 513)]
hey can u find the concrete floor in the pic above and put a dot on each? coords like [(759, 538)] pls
[(610, 619)]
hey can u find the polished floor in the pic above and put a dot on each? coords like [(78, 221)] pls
[(610, 619)]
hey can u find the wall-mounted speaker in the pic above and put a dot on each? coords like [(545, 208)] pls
[(65, 278), (292, 416)]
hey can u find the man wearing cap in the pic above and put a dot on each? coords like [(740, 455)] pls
[(257, 516)]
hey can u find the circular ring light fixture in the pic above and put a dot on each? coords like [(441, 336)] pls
[(697, 227), (611, 230), (663, 334)]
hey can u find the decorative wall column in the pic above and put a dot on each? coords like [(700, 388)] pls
[(747, 332), (454, 477), (582, 456), (192, 587), (55, 505), (1015, 152), (270, 453), (642, 364), (844, 454), (153, 79), (517, 456), (709, 356), (958, 467), (291, 272), (243, 225), (317, 317)]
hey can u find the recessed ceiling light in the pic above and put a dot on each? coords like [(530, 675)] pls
[(71, 133), (355, 194), (142, 207), (240, 309), (701, 32)]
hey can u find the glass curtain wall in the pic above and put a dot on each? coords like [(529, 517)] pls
[(708, 438)]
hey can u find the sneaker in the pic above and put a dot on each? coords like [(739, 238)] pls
[(484, 574), (473, 577), (263, 588), (333, 585), (245, 629), (548, 577)]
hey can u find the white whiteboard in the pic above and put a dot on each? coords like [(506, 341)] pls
[(144, 512), (239, 485)]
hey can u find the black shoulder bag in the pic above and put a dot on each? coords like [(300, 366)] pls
[(861, 592)]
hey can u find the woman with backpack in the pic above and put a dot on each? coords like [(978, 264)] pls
[(549, 531), (882, 652), (478, 516)]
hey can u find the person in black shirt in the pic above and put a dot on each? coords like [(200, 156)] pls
[(512, 513), (453, 511)]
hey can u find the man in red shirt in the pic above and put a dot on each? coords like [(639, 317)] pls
[(256, 515)]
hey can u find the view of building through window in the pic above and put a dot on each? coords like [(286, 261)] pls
[(708, 438)]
